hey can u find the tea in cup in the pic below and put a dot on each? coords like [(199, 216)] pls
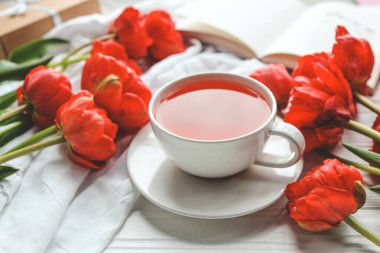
[(216, 124)]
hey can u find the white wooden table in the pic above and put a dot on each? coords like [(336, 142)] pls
[(151, 229)]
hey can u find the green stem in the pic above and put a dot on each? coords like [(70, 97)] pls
[(14, 112), (367, 103), (354, 223), (8, 128), (364, 167), (69, 62), (13, 130), (363, 129), (65, 61), (35, 138), (31, 148), (77, 59), (7, 99), (75, 51), (369, 169)]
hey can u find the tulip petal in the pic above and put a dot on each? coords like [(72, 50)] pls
[(305, 65), (41, 120), (110, 48), (321, 137), (134, 65), (322, 97), (115, 50), (100, 150), (355, 58), (79, 160), (323, 206), (376, 144), (315, 226), (98, 67), (305, 106), (333, 78), (166, 39), (89, 132), (81, 126), (99, 76), (277, 79), (131, 33), (132, 113), (110, 128), (109, 97), (142, 91), (331, 173), (46, 90)]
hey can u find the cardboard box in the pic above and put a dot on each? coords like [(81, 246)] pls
[(16, 30)]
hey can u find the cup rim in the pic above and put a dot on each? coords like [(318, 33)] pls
[(155, 96)]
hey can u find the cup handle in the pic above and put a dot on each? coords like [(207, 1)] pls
[(297, 143)]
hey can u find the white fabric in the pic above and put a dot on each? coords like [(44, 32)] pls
[(53, 205)]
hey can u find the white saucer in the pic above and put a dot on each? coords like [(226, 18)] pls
[(174, 190)]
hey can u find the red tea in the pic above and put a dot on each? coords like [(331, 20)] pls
[(212, 110)]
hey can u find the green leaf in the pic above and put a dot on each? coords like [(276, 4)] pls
[(6, 65), (7, 100), (35, 49), (371, 157), (27, 56), (19, 71), (6, 171), (18, 117), (375, 189), (14, 131)]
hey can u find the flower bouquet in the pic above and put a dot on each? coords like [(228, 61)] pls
[(319, 99), (113, 100)]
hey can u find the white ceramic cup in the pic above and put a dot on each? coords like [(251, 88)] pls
[(221, 158)]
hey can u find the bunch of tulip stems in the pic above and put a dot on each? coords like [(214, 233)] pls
[(15, 118)]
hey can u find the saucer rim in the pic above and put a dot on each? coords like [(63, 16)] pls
[(299, 165)]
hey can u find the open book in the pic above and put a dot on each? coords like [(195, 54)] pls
[(279, 31)]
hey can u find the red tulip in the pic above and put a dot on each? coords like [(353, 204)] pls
[(321, 137), (166, 39), (116, 50), (321, 98), (354, 57), (325, 196), (322, 208), (129, 28), (118, 89), (324, 75), (45, 90), (277, 79), (306, 64), (376, 144), (331, 173), (88, 131)]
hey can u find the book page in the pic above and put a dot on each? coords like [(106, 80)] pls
[(315, 32), (256, 23), (212, 35)]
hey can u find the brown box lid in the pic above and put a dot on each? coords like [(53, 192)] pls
[(35, 23)]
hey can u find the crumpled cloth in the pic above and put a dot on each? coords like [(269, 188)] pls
[(53, 205)]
